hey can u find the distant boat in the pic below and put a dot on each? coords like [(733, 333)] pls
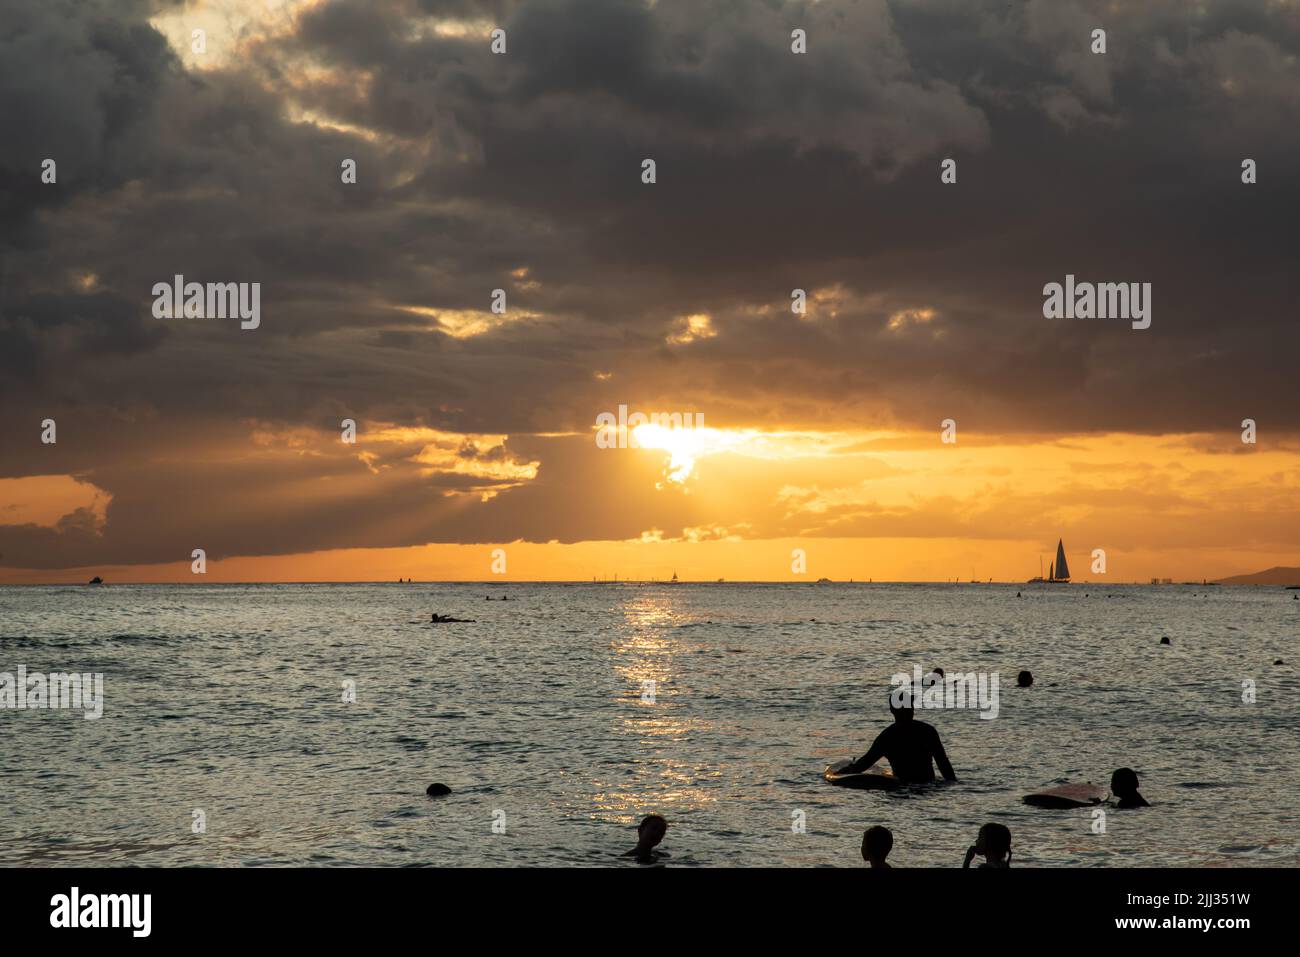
[(1058, 572), (673, 580), (95, 581), (823, 581)]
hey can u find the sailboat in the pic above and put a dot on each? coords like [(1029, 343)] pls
[(1058, 572), (673, 580)]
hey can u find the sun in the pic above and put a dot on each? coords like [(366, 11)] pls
[(684, 446)]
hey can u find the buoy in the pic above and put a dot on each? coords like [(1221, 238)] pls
[(1164, 640), (437, 790)]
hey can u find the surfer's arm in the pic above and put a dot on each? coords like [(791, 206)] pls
[(941, 759), (871, 757)]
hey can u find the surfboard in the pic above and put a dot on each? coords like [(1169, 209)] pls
[(1066, 796), (874, 778)]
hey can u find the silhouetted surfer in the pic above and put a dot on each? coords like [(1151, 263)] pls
[(444, 619), (1124, 785), (993, 844), (877, 842), (909, 745), (649, 833)]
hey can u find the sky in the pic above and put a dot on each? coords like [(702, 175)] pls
[(822, 451)]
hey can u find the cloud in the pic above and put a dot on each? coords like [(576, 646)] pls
[(521, 172)]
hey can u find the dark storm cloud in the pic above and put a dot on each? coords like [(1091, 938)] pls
[(775, 171)]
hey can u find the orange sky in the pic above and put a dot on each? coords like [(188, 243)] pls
[(465, 261), (879, 506)]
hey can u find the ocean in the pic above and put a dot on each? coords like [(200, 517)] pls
[(225, 738)]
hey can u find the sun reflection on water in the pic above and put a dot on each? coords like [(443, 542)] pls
[(650, 705)]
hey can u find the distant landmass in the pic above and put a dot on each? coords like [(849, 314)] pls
[(1277, 575)]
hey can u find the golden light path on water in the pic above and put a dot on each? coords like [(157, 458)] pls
[(642, 658)]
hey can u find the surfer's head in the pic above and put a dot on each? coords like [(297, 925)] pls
[(900, 703), (877, 842), (994, 841), (1124, 782), (650, 831), (1024, 679)]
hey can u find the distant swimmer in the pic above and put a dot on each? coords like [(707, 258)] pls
[(877, 842), (909, 745), (1025, 679), (994, 845), (1164, 640), (1124, 785), (437, 790), (649, 833), (1017, 594), (445, 619)]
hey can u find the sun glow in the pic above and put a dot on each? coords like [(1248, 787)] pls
[(683, 446), (686, 445)]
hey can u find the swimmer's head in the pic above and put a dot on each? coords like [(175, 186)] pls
[(900, 703), (1024, 679), (651, 830), (1124, 782), (994, 841), (877, 842)]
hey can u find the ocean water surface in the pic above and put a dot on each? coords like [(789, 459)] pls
[(228, 699)]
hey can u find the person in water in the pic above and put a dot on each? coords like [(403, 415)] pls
[(649, 833), (1124, 785), (877, 842), (910, 746), (993, 844)]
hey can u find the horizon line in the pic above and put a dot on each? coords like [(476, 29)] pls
[(629, 581)]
